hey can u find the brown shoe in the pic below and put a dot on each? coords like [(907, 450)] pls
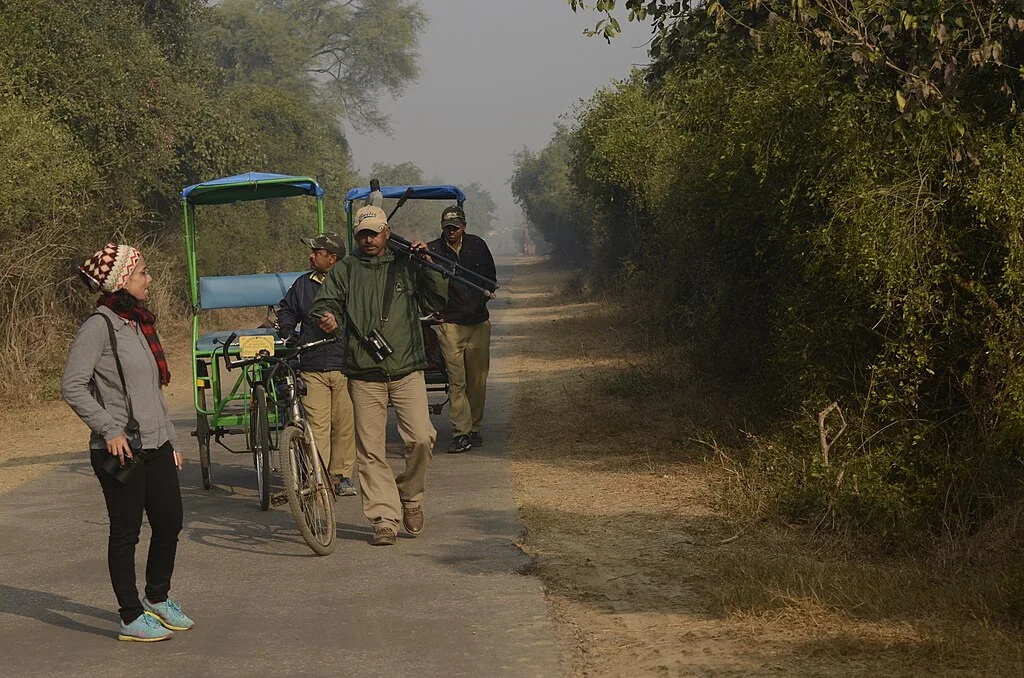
[(412, 516), (383, 537)]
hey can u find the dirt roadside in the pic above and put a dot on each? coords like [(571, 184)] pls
[(41, 438), (651, 580)]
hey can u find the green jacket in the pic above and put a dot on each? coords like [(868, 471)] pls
[(356, 284)]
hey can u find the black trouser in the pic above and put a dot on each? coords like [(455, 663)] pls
[(153, 486)]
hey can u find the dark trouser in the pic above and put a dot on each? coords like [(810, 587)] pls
[(153, 487)]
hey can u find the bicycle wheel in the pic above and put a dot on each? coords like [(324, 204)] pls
[(203, 435), (309, 493), (259, 428)]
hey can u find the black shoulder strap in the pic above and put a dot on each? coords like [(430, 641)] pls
[(351, 321), (389, 297), (389, 291), (117, 360)]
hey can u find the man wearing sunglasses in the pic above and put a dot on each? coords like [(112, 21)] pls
[(465, 331)]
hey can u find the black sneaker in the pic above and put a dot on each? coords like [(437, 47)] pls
[(475, 439), (459, 444)]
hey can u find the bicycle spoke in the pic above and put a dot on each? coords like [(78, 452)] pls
[(310, 499)]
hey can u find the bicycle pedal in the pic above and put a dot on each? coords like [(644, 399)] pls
[(279, 499)]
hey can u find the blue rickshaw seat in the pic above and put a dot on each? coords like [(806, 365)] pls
[(241, 291)]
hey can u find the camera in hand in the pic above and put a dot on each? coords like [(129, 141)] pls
[(377, 346), (113, 464)]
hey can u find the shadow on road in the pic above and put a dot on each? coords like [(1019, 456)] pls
[(226, 519), (487, 548), (33, 460), (53, 609)]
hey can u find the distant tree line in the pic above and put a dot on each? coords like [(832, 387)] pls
[(422, 218), (821, 198)]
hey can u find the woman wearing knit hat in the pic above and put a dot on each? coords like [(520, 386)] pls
[(112, 380)]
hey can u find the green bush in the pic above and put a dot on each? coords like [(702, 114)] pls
[(810, 244)]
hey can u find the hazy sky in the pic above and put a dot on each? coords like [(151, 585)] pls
[(495, 75)]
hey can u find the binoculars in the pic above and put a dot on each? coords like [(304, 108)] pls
[(377, 346), (113, 465)]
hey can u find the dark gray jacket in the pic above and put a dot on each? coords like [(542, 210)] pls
[(92, 388), (466, 306), (294, 311)]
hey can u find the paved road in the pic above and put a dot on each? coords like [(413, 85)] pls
[(451, 602)]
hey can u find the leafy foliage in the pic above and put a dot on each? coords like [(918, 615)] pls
[(929, 53), (107, 110), (353, 52), (540, 184), (818, 197)]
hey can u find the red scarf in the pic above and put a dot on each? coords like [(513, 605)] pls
[(128, 307)]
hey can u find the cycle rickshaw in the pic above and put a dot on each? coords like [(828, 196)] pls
[(253, 407), (436, 374)]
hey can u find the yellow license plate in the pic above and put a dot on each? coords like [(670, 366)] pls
[(249, 347)]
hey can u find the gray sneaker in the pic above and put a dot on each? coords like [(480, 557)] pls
[(343, 487), (459, 444), (168, 613), (475, 439)]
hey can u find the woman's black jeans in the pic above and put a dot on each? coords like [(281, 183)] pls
[(153, 487)]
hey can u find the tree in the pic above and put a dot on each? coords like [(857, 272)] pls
[(930, 54), (540, 186), (819, 195), (351, 52), (481, 211), (108, 109)]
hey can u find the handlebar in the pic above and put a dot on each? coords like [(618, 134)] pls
[(264, 356)]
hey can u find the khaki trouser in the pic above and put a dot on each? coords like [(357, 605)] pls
[(384, 495), (467, 354), (329, 412)]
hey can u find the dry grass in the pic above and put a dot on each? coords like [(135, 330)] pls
[(43, 303), (44, 436), (610, 471)]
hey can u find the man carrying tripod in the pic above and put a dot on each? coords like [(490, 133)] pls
[(378, 295), (465, 333)]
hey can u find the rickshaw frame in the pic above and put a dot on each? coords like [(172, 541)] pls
[(234, 292)]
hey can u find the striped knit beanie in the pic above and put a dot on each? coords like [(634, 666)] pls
[(108, 270)]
